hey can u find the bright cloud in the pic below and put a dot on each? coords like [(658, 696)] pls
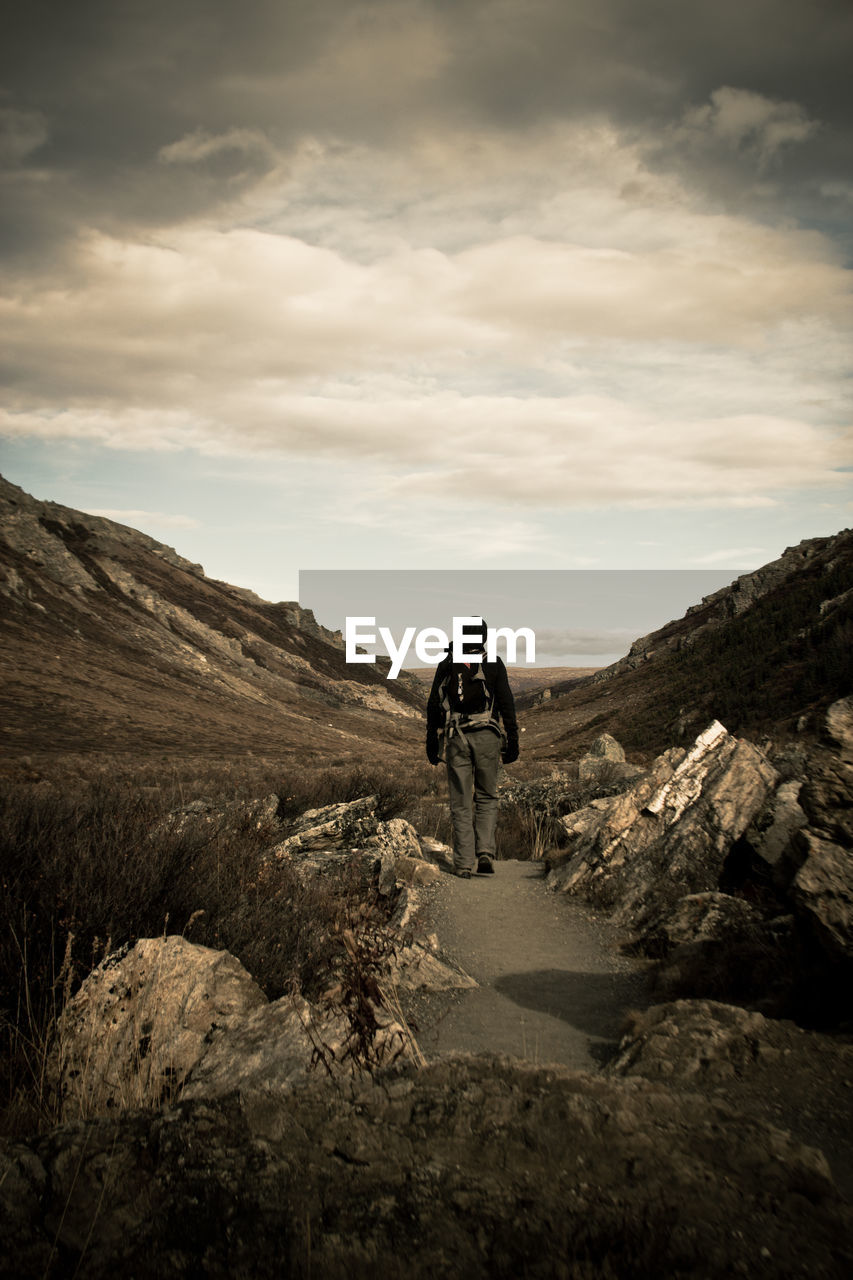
[(744, 557), (200, 145), (542, 319)]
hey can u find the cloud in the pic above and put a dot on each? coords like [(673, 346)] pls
[(479, 249), (200, 145), (747, 121), (138, 519), (734, 557), (118, 91), (21, 133), (582, 453), (628, 347)]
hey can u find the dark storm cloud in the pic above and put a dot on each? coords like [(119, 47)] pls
[(94, 91)]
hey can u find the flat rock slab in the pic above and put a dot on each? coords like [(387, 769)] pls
[(552, 986)]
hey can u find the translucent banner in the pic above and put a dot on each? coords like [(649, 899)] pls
[(579, 617)]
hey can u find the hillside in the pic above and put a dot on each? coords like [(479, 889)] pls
[(111, 643), (765, 655)]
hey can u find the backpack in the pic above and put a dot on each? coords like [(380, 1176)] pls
[(457, 723)]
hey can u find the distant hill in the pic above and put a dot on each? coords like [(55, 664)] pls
[(764, 655), (522, 680), (112, 643)]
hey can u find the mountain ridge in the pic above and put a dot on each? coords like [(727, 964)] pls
[(115, 642), (766, 654)]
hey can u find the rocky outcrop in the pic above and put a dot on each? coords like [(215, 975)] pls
[(707, 1042), (167, 1018), (771, 836), (339, 838), (739, 881), (349, 839), (272, 1048), (142, 1020), (688, 1039), (822, 888), (667, 836), (477, 1167), (605, 763), (699, 919), (739, 597)]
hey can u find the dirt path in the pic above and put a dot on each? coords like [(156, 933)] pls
[(553, 986)]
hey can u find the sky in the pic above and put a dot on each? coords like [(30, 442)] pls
[(540, 617), (431, 284)]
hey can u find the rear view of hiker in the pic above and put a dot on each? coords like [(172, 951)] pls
[(468, 699)]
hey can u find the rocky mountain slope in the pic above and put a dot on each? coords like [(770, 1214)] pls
[(766, 655), (209, 1130), (112, 643)]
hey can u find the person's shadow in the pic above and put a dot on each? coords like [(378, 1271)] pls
[(595, 1003)]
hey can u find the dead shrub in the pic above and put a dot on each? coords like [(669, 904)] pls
[(103, 864)]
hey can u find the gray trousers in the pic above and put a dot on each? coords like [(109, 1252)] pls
[(472, 780)]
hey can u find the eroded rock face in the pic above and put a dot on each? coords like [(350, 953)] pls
[(329, 840), (168, 1018), (784, 818), (142, 1020), (822, 889), (669, 835), (273, 1047), (819, 855), (472, 1166)]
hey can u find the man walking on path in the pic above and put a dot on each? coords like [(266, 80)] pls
[(468, 699)]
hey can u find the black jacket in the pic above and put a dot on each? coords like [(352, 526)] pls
[(497, 683)]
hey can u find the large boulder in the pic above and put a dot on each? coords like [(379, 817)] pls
[(142, 1020), (274, 1046), (168, 1018), (670, 834)]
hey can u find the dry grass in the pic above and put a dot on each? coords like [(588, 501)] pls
[(95, 865)]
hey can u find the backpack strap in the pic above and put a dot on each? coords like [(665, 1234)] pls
[(453, 720)]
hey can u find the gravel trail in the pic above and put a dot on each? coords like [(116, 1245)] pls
[(553, 985)]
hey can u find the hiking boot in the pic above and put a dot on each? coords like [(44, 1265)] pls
[(485, 866), (464, 875)]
